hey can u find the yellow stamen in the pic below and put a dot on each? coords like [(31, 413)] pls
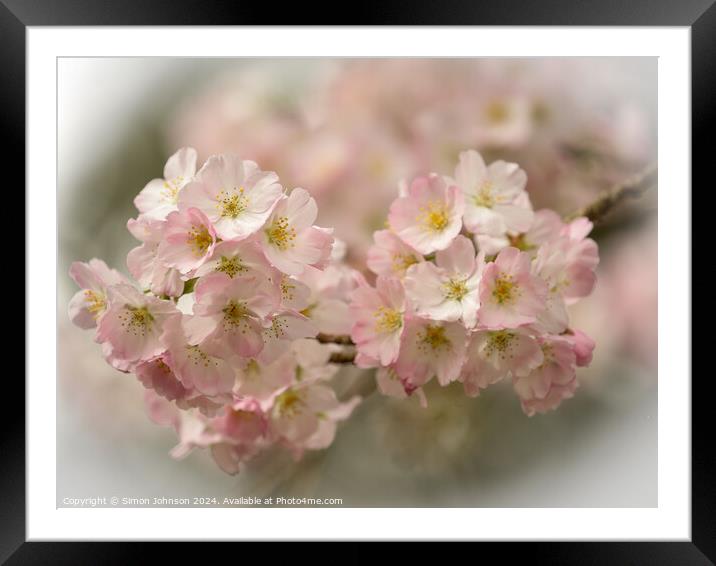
[(277, 329), (308, 311), (136, 320), (401, 262), (520, 243), (232, 204), (287, 288), (548, 353), (484, 196), (455, 289), (252, 369), (231, 266), (95, 303), (506, 291), (171, 189), (434, 216), (288, 404), (499, 343), (198, 357), (281, 234), (199, 239), (387, 320), (234, 314), (433, 337)]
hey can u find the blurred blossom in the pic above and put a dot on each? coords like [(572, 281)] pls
[(348, 130)]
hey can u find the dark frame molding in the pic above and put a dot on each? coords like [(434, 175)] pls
[(699, 15)]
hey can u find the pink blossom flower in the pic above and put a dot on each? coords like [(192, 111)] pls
[(284, 328), (431, 348), (391, 385), (235, 259), (244, 422), (295, 295), (568, 267), (328, 420), (305, 416), (243, 428), (188, 240), (557, 368), (447, 289), (552, 400), (160, 196), (378, 319), (133, 323), (194, 431), (231, 457), (260, 380), (429, 216), (510, 295), (235, 195), (390, 256), (207, 405), (289, 239), (143, 263), (495, 354), (229, 314), (495, 200), (546, 225), (193, 365), (157, 375), (329, 296), (312, 361), (90, 302), (583, 346)]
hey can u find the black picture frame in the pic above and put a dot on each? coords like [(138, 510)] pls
[(699, 15)]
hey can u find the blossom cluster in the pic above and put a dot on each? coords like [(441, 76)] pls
[(233, 282), (473, 286)]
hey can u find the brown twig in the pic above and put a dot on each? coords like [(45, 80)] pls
[(342, 357), (608, 200), (335, 339)]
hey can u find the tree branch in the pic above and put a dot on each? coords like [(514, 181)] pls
[(334, 339), (342, 357), (608, 200)]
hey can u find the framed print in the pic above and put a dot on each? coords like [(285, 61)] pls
[(398, 282)]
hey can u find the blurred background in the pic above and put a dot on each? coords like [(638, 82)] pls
[(348, 130)]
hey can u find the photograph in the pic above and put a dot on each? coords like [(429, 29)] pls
[(357, 282)]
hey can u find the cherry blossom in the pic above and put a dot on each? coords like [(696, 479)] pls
[(448, 288), (244, 308), (290, 240), (160, 196), (431, 349), (134, 323), (509, 294), (143, 263), (193, 365), (234, 194), (188, 240), (230, 314), (429, 215), (390, 256), (90, 302), (495, 354), (495, 197), (378, 319)]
